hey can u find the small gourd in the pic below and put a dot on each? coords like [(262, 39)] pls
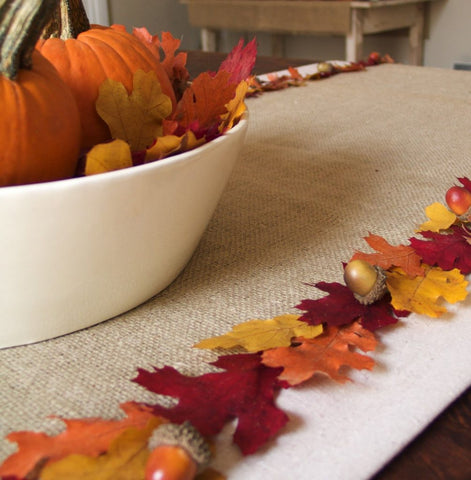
[(39, 124), (86, 55), (176, 452), (366, 281)]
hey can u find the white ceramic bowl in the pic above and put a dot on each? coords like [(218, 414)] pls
[(77, 252)]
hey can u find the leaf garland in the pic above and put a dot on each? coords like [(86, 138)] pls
[(326, 354), (256, 335), (291, 349)]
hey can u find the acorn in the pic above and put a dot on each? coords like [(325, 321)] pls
[(325, 67), (366, 281), (177, 452)]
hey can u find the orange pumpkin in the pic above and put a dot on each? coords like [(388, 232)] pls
[(93, 56), (39, 124)]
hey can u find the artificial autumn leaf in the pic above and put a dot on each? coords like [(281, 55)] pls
[(446, 250), (205, 100), (244, 390), (240, 61), (106, 157), (125, 459), (422, 294), (466, 182), (90, 436), (236, 107), (210, 474), (295, 75), (440, 218), (256, 335), (136, 118), (172, 144), (152, 42), (174, 64), (340, 307), (388, 256), (327, 354), (163, 147)]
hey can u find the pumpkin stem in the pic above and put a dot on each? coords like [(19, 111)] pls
[(21, 24), (69, 20)]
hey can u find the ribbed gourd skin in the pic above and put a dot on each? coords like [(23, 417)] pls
[(39, 126)]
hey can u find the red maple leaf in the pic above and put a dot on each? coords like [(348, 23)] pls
[(245, 390), (466, 182), (240, 61), (446, 250), (340, 307)]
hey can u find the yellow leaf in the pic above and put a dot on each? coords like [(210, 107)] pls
[(256, 335), (135, 118), (163, 147), (125, 460), (189, 141), (236, 107), (440, 218), (421, 294), (106, 157), (171, 144)]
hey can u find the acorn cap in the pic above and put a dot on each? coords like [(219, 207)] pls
[(378, 290), (185, 436)]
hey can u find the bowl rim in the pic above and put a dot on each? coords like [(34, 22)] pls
[(134, 170)]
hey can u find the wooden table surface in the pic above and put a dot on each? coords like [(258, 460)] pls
[(443, 450)]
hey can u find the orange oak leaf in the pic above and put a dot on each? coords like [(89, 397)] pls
[(126, 458), (422, 294), (90, 436), (326, 354), (173, 63), (205, 100), (388, 255)]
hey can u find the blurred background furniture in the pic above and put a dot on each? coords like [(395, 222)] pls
[(351, 19)]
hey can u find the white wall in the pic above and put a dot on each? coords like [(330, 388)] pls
[(158, 16), (450, 33), (97, 11), (449, 38)]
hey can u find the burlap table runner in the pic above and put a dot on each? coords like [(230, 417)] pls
[(323, 165)]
